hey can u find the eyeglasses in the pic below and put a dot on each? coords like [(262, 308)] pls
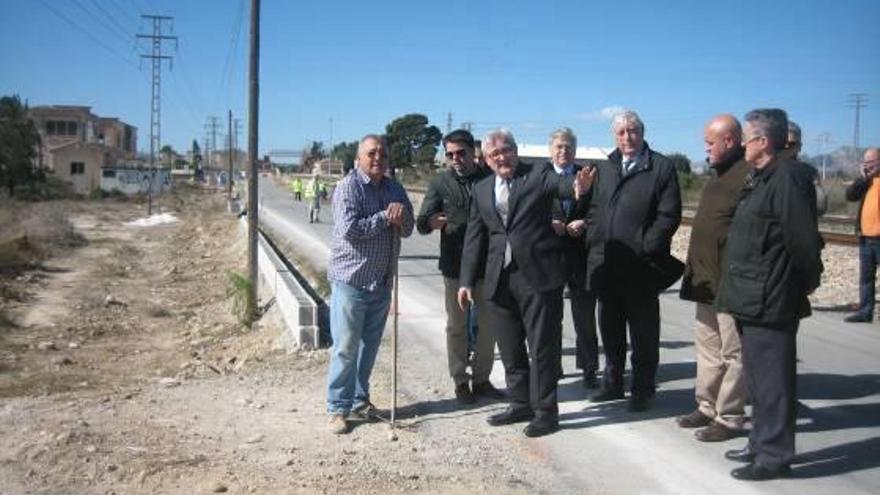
[(748, 139), (503, 150), (452, 154)]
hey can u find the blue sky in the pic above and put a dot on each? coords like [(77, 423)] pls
[(530, 66)]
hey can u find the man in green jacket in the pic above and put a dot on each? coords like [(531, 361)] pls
[(719, 388), (445, 208), (773, 263)]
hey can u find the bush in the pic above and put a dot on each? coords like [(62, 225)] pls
[(30, 233)]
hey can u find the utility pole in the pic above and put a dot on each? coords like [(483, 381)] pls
[(229, 157), (253, 129), (467, 126), (211, 127), (330, 153), (822, 139), (857, 101), (236, 131), (156, 57), (448, 122)]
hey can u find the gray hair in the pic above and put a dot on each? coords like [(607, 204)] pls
[(771, 123), (794, 129), (494, 134), (565, 134), (372, 137), (627, 117)]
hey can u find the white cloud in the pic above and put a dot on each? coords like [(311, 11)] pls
[(604, 113)]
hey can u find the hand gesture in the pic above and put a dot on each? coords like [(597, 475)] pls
[(583, 180), (437, 221), (558, 227), (394, 214), (465, 298), (576, 228)]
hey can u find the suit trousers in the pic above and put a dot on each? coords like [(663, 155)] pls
[(641, 311), (769, 362), (583, 315), (720, 387), (528, 325), (456, 336)]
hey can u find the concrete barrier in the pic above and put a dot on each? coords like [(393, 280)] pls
[(299, 309)]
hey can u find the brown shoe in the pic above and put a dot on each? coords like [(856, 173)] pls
[(695, 419), (716, 432), (337, 424)]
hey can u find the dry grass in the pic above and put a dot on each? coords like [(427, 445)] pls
[(33, 232)]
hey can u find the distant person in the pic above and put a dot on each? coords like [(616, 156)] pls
[(509, 230), (866, 190), (478, 155), (793, 145), (635, 211), (313, 194), (371, 213), (445, 208), (720, 387), (569, 223), (297, 189), (772, 263)]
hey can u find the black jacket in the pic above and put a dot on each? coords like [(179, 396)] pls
[(705, 256), (857, 192), (773, 249), (632, 220), (537, 251), (574, 252), (449, 193)]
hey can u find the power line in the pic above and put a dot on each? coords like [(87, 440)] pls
[(229, 61), (857, 101), (113, 20), (88, 34)]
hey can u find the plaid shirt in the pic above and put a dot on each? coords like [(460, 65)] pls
[(364, 245)]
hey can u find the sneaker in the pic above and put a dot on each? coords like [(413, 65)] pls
[(695, 419), (487, 390), (364, 412), (337, 424), (463, 394), (858, 318)]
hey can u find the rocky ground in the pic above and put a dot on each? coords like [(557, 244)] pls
[(122, 371)]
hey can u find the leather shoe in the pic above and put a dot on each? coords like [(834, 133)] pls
[(487, 390), (715, 432), (745, 454), (590, 380), (510, 416), (541, 427), (463, 394), (695, 419), (605, 395), (858, 318), (760, 472), (640, 403)]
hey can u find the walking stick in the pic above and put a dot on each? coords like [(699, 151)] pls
[(392, 435)]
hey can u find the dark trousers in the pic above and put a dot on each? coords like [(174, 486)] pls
[(583, 315), (869, 258), (769, 354), (528, 325), (641, 312)]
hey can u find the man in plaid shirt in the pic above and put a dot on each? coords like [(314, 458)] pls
[(371, 212)]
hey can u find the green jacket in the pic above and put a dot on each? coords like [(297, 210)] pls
[(773, 248), (450, 193), (709, 230)]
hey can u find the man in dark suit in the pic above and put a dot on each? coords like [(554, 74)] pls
[(510, 225), (634, 212), (569, 224)]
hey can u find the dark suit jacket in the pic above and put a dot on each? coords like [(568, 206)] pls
[(536, 250), (633, 218), (574, 251)]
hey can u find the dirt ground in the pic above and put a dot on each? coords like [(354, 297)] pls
[(122, 371)]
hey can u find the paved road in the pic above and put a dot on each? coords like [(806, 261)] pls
[(605, 449)]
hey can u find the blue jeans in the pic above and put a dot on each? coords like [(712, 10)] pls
[(869, 258), (357, 321)]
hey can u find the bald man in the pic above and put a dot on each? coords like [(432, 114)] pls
[(719, 389)]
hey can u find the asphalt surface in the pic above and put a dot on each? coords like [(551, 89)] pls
[(602, 448)]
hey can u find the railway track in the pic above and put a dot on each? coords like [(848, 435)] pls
[(831, 237)]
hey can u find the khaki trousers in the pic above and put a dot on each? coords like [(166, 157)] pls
[(720, 386), (456, 336)]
